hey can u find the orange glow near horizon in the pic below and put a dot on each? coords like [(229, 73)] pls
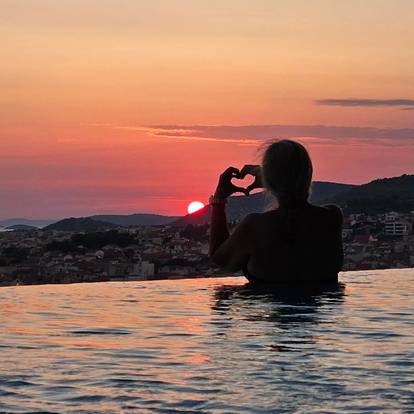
[(127, 107)]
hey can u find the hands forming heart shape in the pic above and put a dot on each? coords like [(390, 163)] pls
[(227, 187)]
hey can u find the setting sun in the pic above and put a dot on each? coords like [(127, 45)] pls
[(194, 206)]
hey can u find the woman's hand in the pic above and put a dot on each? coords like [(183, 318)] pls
[(225, 187), (256, 172)]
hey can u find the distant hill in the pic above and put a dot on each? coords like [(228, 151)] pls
[(28, 222), (322, 190), (81, 224), (139, 219), (135, 219), (24, 227), (239, 206), (378, 196)]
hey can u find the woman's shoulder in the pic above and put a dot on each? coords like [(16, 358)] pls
[(333, 211), (251, 219), (329, 211), (254, 222), (264, 216)]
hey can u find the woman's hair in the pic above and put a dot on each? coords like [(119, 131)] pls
[(287, 171)]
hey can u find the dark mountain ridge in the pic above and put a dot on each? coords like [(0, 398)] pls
[(378, 196), (29, 222), (139, 219), (81, 224), (22, 227)]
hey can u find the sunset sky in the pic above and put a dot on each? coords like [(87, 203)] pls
[(125, 106)]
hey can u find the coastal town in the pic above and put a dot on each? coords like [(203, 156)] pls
[(169, 252)]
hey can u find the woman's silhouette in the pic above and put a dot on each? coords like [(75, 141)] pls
[(297, 242)]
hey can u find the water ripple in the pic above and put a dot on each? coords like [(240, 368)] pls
[(209, 346)]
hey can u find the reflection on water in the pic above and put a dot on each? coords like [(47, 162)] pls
[(291, 311), (213, 345), (281, 304)]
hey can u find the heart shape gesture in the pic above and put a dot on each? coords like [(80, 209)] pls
[(242, 182), (256, 172), (226, 187)]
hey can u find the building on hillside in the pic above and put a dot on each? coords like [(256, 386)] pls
[(143, 268), (397, 228)]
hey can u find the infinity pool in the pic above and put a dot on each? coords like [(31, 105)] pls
[(209, 346)]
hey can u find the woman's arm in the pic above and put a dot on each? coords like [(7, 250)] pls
[(227, 251), (234, 252), (225, 188), (219, 232), (338, 219)]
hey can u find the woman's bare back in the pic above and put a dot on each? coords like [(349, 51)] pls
[(303, 244)]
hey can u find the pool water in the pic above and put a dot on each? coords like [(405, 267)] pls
[(209, 346)]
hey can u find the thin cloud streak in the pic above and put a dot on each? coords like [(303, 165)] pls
[(319, 133), (366, 102), (179, 133), (257, 134)]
